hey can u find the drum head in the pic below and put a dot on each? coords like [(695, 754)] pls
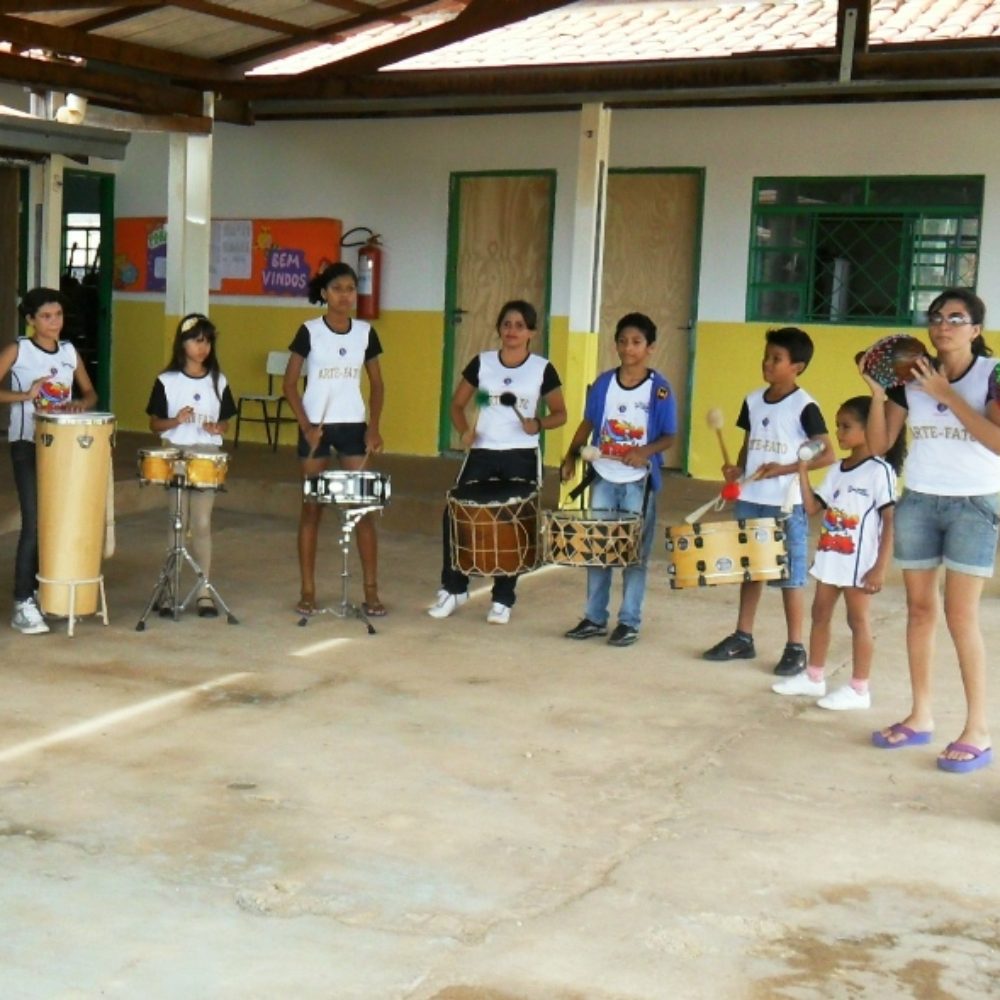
[(493, 491)]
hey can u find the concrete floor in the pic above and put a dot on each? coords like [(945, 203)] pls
[(456, 811)]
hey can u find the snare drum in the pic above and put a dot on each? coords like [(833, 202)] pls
[(494, 527), (604, 538), (156, 465), (348, 487), (205, 468), (703, 555)]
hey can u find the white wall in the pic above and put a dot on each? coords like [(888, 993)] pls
[(392, 175)]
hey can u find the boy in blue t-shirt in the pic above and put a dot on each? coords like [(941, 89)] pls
[(631, 418), (777, 420)]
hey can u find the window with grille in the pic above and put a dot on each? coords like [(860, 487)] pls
[(872, 250)]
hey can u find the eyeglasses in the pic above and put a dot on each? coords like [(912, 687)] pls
[(953, 319)]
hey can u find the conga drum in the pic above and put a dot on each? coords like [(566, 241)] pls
[(74, 467)]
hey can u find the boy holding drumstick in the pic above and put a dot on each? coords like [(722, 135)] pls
[(776, 421)]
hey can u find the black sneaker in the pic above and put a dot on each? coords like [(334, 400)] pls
[(733, 647), (793, 660), (623, 635), (586, 630)]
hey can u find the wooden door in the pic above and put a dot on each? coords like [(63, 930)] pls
[(499, 249), (650, 266)]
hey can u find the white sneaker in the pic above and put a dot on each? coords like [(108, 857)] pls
[(845, 698), (446, 604), (800, 684), (27, 618), (499, 614)]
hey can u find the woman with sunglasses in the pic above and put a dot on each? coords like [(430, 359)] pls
[(948, 514)]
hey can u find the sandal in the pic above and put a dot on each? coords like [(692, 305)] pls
[(206, 607), (371, 605), (306, 606)]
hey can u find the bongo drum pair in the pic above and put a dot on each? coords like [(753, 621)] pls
[(194, 468)]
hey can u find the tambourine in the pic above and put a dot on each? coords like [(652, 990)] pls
[(890, 360)]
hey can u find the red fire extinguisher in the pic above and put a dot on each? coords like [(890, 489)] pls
[(369, 271)]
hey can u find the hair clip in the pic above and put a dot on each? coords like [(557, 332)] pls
[(191, 322)]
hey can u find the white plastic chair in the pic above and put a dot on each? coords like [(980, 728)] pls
[(277, 362)]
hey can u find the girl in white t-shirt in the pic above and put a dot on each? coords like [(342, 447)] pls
[(856, 499), (332, 351), (190, 406)]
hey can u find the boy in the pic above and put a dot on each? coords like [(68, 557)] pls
[(631, 417), (776, 421)]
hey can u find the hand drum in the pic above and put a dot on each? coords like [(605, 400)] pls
[(890, 361)]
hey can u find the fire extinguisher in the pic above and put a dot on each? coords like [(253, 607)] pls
[(369, 270)]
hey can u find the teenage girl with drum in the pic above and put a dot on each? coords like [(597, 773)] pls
[(631, 417), (503, 443), (331, 351), (947, 515), (190, 406), (42, 372)]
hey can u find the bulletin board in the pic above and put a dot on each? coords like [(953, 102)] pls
[(248, 256)]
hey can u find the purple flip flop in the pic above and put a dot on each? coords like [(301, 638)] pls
[(980, 758), (911, 738)]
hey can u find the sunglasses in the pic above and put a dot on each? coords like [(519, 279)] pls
[(953, 319)]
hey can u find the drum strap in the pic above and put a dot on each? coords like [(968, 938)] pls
[(589, 476)]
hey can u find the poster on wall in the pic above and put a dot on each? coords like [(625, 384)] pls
[(248, 256)]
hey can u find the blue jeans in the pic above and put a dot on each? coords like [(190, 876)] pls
[(796, 537), (624, 497), (22, 455)]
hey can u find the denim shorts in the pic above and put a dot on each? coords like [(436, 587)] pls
[(960, 532), (796, 536)]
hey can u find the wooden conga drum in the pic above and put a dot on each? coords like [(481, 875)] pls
[(74, 466)]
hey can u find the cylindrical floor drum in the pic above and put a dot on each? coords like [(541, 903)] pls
[(589, 537), (494, 527), (74, 465)]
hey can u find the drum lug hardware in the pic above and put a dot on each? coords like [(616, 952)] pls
[(699, 542), (743, 538), (47, 440), (84, 440)]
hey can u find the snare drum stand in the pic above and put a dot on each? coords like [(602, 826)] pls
[(349, 518), (166, 593)]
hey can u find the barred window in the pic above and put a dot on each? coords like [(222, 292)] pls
[(872, 250)]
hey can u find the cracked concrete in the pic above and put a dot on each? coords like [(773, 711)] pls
[(454, 811)]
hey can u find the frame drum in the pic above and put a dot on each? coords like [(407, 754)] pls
[(74, 470), (703, 555), (591, 537), (494, 527)]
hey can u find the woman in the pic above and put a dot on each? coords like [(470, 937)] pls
[(503, 440), (947, 515)]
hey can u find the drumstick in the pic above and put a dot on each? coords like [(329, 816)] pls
[(717, 502), (716, 421), (509, 399), (480, 399)]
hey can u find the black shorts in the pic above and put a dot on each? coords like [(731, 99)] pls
[(344, 439)]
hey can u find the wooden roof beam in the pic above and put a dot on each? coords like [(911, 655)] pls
[(79, 43)]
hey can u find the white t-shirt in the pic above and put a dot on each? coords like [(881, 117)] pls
[(333, 364), (497, 426), (173, 391), (851, 529), (775, 431), (944, 459), (57, 367), (623, 427)]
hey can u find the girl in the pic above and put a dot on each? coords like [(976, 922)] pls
[(947, 514), (331, 352), (191, 405), (42, 372), (857, 498), (504, 442)]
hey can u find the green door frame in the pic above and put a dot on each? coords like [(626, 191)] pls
[(450, 287)]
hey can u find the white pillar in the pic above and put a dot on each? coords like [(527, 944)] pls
[(49, 234), (588, 218), (189, 221)]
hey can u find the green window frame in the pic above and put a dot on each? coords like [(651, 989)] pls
[(860, 250)]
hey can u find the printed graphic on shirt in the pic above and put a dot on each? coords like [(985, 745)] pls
[(53, 394), (836, 533)]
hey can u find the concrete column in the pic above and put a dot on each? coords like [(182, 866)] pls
[(578, 361), (48, 264), (189, 224)]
